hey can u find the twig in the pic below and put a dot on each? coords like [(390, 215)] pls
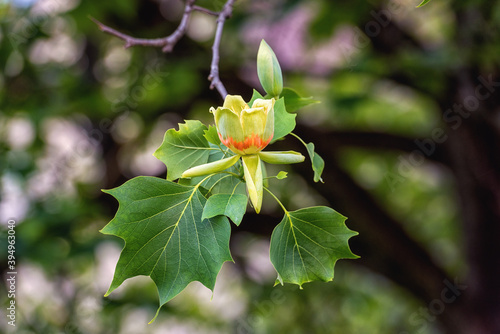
[(214, 67), (206, 11), (167, 43)]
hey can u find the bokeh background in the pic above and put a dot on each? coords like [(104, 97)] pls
[(408, 125)]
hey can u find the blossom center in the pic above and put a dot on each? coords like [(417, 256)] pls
[(251, 144)]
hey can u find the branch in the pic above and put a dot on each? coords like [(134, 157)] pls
[(214, 67), (167, 43), (206, 11)]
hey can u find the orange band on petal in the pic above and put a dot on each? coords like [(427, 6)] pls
[(252, 144)]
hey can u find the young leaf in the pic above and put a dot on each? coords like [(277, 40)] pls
[(318, 164), (183, 149), (307, 243), (165, 236), (269, 70), (282, 175), (293, 101), (231, 205)]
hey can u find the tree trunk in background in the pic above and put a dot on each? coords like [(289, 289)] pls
[(475, 155)]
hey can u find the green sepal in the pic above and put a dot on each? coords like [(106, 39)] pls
[(253, 177), (211, 167), (281, 157)]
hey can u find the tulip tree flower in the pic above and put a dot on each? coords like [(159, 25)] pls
[(246, 131)]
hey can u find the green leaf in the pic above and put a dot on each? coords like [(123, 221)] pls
[(256, 95), (318, 164), (212, 136), (282, 175), (293, 101), (423, 3), (183, 149), (307, 243), (166, 237), (284, 122), (269, 70), (231, 205)]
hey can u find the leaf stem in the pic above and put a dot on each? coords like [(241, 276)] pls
[(212, 187), (277, 200), (207, 177), (303, 142)]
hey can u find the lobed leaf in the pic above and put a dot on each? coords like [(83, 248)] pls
[(307, 243), (166, 237), (183, 149)]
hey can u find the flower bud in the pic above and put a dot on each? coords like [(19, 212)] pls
[(269, 70)]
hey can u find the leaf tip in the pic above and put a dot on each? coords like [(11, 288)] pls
[(422, 3)]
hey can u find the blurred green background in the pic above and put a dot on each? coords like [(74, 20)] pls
[(79, 113)]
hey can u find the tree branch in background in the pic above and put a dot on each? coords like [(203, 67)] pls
[(168, 43), (214, 67)]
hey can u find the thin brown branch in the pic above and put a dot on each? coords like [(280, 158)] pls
[(206, 11), (226, 12), (166, 43)]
